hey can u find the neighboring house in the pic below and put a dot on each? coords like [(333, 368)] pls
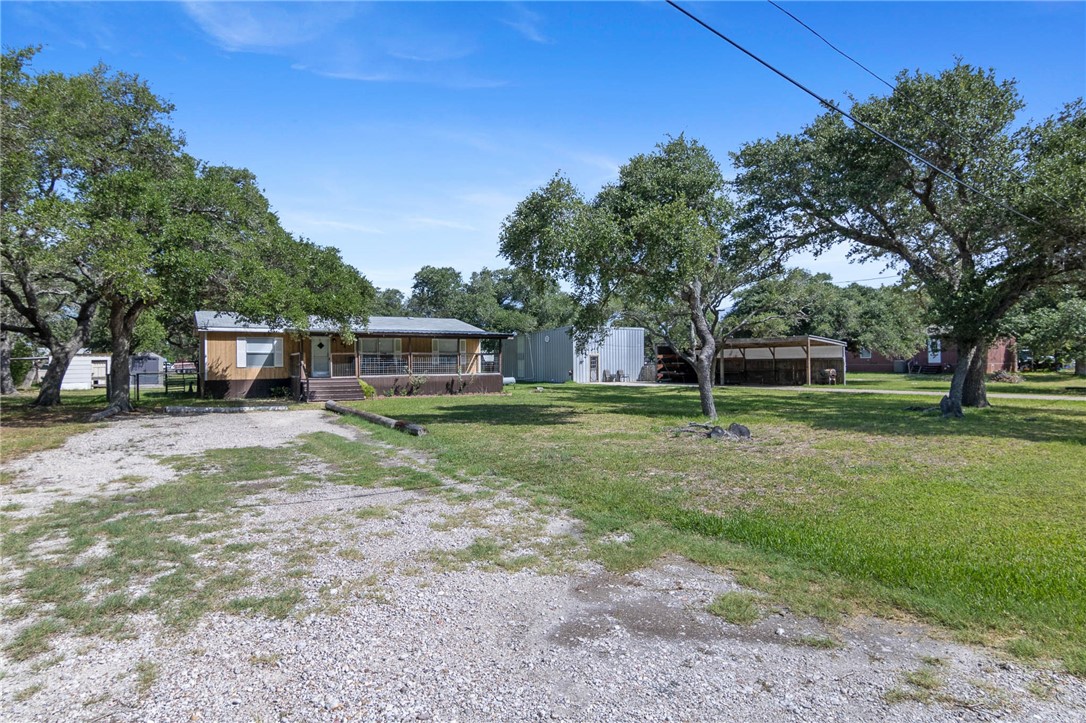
[(935, 357), (551, 356), (396, 355), (87, 371)]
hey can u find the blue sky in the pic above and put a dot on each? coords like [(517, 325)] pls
[(403, 133)]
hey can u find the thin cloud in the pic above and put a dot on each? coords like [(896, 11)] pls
[(440, 223), (320, 38), (309, 221), (266, 26), (527, 24)]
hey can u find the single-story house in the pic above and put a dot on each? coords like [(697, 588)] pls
[(551, 355), (782, 361), (936, 357), (396, 355)]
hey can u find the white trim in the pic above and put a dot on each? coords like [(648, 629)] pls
[(240, 361)]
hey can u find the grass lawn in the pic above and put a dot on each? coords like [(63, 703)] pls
[(1033, 383), (841, 502)]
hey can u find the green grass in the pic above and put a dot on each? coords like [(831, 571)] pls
[(1032, 383), (738, 608), (840, 501), (28, 429), (151, 541)]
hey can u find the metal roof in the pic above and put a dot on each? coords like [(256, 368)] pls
[(376, 326), (781, 341)]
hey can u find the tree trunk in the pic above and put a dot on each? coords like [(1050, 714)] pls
[(975, 393), (60, 353), (7, 384), (952, 402), (704, 369), (60, 357), (122, 320), (703, 356), (1080, 366)]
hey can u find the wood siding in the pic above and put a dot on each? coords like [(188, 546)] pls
[(222, 355)]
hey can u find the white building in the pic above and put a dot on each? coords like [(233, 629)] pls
[(551, 356)]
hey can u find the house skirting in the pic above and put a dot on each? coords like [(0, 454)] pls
[(242, 388), (438, 384)]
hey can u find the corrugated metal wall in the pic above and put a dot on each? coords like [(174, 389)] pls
[(548, 356), (623, 349), (79, 374), (542, 356)]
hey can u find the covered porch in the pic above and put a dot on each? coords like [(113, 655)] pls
[(327, 367)]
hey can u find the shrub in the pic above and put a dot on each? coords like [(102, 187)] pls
[(368, 392), (415, 382)]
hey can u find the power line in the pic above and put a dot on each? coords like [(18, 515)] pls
[(846, 114), (904, 96), (873, 278), (870, 72)]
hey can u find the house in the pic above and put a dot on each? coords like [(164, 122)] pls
[(87, 371), (936, 357), (551, 355), (771, 361), (396, 355)]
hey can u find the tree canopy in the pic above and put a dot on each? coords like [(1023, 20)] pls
[(976, 254), (104, 209), (497, 299), (890, 320), (657, 244)]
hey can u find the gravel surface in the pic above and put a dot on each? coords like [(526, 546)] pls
[(403, 618)]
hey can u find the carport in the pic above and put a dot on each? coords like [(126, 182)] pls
[(782, 361)]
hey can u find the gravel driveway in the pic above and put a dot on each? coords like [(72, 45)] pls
[(408, 613)]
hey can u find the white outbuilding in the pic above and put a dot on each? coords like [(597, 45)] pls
[(551, 355)]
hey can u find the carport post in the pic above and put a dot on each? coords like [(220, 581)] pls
[(808, 361)]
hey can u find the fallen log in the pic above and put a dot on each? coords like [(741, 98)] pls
[(415, 430)]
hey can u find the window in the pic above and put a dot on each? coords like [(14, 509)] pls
[(260, 352), (448, 346), (372, 345), (865, 353)]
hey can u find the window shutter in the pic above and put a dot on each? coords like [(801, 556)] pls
[(278, 353), (241, 353), (463, 346), (397, 345), (434, 348)]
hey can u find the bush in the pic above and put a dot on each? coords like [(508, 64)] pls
[(368, 392)]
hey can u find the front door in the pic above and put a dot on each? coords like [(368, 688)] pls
[(935, 351), (320, 356), (593, 368)]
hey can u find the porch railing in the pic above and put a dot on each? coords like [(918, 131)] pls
[(344, 365), (372, 365)]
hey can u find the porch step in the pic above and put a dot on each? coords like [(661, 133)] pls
[(345, 389)]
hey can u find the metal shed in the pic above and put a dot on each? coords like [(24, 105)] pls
[(551, 356), (149, 367), (86, 371), (790, 360)]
